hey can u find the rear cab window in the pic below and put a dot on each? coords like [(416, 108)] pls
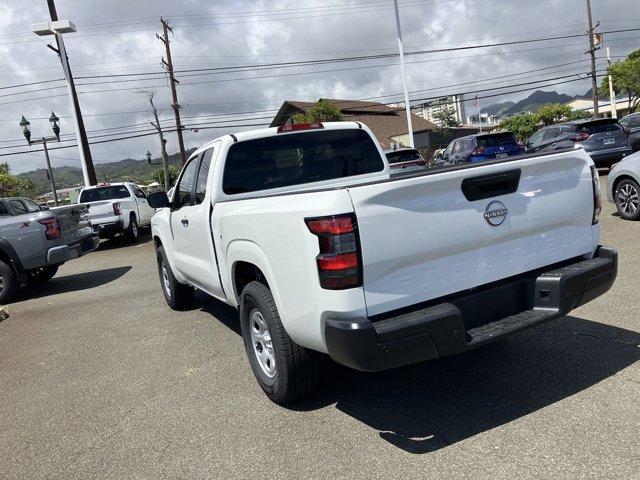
[(110, 192), (399, 156), (496, 140), (598, 127), (297, 158)]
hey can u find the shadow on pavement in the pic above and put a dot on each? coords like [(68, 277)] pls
[(222, 312), (428, 406), (119, 241), (74, 283)]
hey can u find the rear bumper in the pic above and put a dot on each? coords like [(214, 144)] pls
[(606, 157), (466, 321), (63, 253), (103, 229)]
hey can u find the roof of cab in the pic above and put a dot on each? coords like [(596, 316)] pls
[(272, 131)]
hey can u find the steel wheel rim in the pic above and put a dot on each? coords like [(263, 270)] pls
[(1, 284), (134, 229), (262, 343), (628, 199), (165, 280)]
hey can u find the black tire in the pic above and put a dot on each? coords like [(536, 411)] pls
[(296, 368), (627, 198), (9, 284), (42, 274), (132, 231), (177, 295)]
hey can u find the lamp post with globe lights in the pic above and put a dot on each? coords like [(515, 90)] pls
[(26, 131)]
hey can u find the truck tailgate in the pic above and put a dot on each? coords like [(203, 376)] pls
[(102, 212), (423, 237), (74, 222)]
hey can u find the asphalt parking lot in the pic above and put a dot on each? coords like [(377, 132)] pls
[(99, 379)]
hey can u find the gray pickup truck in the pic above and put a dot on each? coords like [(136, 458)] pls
[(35, 241)]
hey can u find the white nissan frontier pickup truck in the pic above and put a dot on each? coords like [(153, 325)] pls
[(302, 228)]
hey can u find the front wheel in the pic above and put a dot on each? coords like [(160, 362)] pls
[(8, 283), (284, 370), (177, 295), (627, 199), (42, 274)]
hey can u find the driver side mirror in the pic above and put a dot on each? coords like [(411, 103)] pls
[(158, 200)]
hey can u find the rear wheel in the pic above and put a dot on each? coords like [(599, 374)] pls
[(177, 295), (283, 369), (42, 274), (132, 231), (627, 198), (8, 283)]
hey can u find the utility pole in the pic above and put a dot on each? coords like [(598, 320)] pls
[(612, 94), (163, 142), (407, 106), (592, 52), (172, 79), (88, 170), (50, 172)]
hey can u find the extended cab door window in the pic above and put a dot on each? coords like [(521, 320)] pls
[(32, 207), (184, 191), (203, 175)]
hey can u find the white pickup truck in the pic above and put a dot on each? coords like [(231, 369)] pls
[(117, 208), (302, 228)]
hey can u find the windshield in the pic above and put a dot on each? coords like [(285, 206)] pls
[(496, 140), (295, 158), (111, 192), (599, 127)]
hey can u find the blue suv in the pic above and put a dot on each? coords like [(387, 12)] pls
[(482, 147)]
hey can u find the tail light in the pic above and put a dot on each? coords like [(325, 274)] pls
[(300, 126), (339, 262), (478, 151), (597, 205), (117, 208), (580, 137), (52, 228)]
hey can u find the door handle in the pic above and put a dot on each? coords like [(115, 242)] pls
[(185, 222)]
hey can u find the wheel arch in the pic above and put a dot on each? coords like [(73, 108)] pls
[(248, 262), (11, 258)]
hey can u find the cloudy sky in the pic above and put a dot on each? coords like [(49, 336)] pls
[(116, 38)]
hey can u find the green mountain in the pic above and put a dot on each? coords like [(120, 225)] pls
[(127, 170)]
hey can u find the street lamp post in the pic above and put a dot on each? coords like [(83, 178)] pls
[(26, 131), (57, 28)]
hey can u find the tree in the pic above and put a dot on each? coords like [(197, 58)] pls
[(626, 79), (556, 112), (322, 111), (446, 118), (158, 176), (12, 186), (522, 125)]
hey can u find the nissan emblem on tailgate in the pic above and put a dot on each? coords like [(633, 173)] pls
[(495, 213)]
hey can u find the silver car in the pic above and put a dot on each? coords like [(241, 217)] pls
[(623, 186)]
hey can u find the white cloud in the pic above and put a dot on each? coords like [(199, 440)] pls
[(207, 36)]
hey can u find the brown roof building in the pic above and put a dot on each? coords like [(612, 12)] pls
[(384, 121)]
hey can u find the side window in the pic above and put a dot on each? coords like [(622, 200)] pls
[(32, 206), (456, 146), (203, 175), (3, 210), (551, 133), (536, 137), (18, 206), (137, 191), (184, 189)]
